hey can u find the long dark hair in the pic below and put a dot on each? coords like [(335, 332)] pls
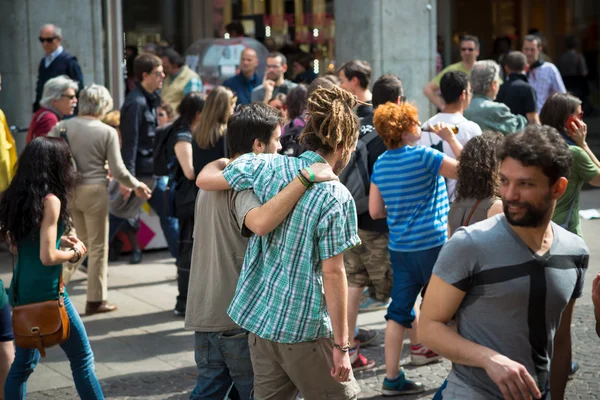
[(43, 168), (557, 109), (190, 106), (478, 176)]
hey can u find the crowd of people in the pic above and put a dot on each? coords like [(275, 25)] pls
[(318, 200)]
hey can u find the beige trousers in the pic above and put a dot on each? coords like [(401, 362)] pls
[(89, 208)]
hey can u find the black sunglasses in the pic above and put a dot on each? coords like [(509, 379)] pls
[(47, 40)]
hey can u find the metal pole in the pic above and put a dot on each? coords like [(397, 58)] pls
[(114, 50)]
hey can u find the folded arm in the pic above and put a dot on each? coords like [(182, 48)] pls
[(211, 177)]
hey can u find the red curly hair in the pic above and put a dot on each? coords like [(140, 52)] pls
[(392, 120)]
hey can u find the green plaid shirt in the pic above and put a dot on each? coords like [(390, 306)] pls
[(279, 295)]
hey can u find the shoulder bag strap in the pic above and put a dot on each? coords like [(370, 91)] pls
[(466, 222)]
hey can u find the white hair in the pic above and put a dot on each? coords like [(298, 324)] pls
[(57, 30), (95, 100), (483, 74), (55, 87)]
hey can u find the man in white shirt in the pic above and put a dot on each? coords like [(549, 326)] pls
[(456, 92)]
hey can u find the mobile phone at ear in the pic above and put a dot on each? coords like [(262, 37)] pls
[(572, 120)]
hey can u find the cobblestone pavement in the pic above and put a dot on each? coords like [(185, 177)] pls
[(177, 384)]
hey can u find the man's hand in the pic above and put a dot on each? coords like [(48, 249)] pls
[(341, 366), (596, 292), (578, 132), (125, 191), (512, 378), (143, 191), (323, 172), (269, 86)]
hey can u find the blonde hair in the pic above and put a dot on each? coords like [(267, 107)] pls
[(213, 119), (331, 122)]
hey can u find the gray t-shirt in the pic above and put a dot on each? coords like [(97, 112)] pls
[(217, 257), (514, 298), (258, 94)]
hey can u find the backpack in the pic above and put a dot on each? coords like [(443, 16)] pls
[(162, 154), (356, 174), (290, 143)]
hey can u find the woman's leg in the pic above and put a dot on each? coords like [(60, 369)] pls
[(78, 350), (96, 218), (184, 262), (25, 362)]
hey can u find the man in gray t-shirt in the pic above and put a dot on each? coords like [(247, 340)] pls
[(511, 282)]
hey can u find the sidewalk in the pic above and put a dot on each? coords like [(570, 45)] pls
[(143, 352)]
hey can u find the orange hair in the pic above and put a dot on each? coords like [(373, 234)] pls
[(392, 120)]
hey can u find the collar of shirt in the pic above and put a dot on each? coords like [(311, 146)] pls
[(52, 56), (516, 76), (253, 78), (312, 157)]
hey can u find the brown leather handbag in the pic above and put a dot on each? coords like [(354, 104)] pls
[(41, 325)]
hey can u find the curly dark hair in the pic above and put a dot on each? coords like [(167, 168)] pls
[(478, 176), (43, 168)]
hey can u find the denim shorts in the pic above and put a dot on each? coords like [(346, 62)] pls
[(6, 331), (412, 271)]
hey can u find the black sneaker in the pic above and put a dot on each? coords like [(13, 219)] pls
[(180, 312)]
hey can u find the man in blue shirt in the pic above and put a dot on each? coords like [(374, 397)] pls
[(56, 61), (244, 83)]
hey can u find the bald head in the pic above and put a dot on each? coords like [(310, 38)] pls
[(50, 37), (248, 62)]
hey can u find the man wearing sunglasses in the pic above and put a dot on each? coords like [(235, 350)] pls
[(56, 61), (469, 51)]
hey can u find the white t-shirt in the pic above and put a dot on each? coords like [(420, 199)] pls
[(466, 130)]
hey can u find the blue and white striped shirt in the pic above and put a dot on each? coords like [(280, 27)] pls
[(415, 197)]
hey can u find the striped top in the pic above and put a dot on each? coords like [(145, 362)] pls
[(415, 197)]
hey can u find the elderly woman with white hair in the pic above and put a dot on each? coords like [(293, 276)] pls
[(59, 100), (93, 144), (483, 110)]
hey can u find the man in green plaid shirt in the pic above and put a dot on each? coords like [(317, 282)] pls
[(292, 291)]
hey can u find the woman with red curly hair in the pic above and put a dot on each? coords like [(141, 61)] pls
[(408, 188)]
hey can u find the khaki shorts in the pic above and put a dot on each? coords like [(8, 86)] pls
[(281, 371), (369, 264)]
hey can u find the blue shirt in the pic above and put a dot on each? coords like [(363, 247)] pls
[(243, 87), (415, 196), (52, 56)]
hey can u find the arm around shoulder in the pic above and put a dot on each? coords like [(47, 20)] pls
[(211, 177)]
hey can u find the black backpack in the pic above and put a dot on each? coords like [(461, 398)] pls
[(356, 174), (162, 154), (290, 143)]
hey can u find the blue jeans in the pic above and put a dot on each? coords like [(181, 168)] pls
[(78, 350), (158, 202), (412, 271), (223, 360)]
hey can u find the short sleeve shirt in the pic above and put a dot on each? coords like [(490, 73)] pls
[(459, 66), (415, 197), (582, 171), (518, 95), (279, 296), (217, 257), (507, 285)]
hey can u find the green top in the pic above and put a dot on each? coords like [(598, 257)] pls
[(493, 116), (279, 296), (3, 296), (36, 282), (459, 66), (583, 170)]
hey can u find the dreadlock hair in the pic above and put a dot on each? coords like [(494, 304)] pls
[(331, 122)]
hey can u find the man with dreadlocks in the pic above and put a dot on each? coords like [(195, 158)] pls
[(292, 292)]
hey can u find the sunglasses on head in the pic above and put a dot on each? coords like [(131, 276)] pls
[(47, 40)]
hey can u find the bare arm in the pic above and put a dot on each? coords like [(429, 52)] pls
[(449, 167), (430, 91), (211, 177), (578, 132), (533, 118), (49, 254), (183, 152), (263, 220), (596, 300), (376, 205), (561, 359), (496, 208), (440, 304)]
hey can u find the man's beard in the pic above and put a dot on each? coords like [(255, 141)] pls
[(533, 217), (273, 76)]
